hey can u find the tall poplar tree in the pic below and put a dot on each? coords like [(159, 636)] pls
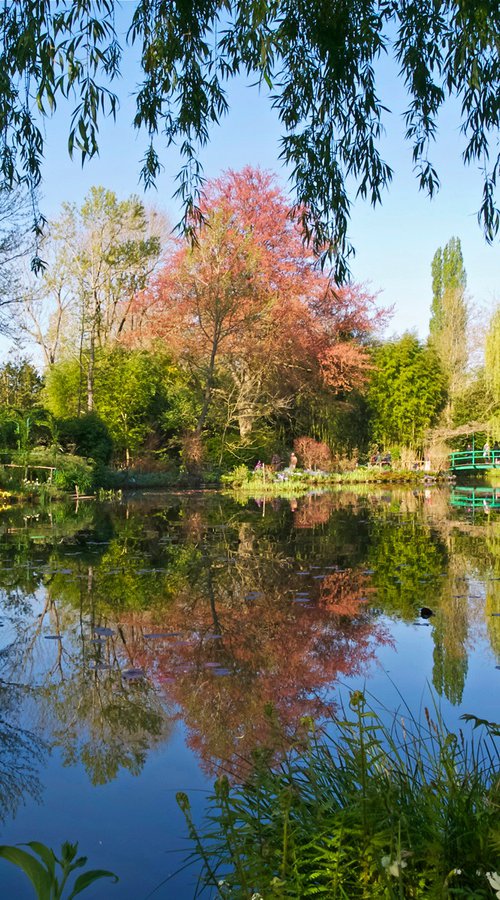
[(492, 365), (449, 314)]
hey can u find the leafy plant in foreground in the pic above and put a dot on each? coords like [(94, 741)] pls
[(43, 874), (404, 810)]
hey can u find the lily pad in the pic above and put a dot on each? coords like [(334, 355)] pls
[(133, 674), (158, 635)]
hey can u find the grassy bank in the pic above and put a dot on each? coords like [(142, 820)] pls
[(269, 483), (404, 810)]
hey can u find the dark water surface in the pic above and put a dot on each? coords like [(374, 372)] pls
[(145, 645)]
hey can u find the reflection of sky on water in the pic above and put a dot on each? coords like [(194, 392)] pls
[(226, 611)]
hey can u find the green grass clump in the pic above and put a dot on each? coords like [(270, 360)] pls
[(409, 810)]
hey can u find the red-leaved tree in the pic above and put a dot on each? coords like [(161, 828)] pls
[(249, 311)]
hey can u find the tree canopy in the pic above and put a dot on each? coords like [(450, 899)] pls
[(407, 390), (318, 60), (449, 314), (492, 361), (249, 312), (101, 254)]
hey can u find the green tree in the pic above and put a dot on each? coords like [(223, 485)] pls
[(20, 384), (492, 366), (476, 402), (406, 391), (318, 59), (101, 255), (449, 315), (138, 394), (130, 397)]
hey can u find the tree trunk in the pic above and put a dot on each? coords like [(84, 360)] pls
[(207, 394), (90, 375)]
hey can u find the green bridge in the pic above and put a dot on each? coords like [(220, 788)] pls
[(474, 460)]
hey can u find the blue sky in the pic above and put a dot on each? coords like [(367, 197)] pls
[(394, 243)]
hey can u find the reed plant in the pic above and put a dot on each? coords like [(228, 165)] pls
[(365, 807)]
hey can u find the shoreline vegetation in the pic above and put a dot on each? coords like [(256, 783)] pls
[(279, 483), (83, 479), (367, 808), (372, 804)]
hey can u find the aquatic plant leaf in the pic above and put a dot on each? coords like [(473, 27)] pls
[(87, 878), (492, 727), (34, 870), (45, 854)]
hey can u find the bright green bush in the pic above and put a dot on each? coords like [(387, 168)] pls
[(239, 476), (73, 471)]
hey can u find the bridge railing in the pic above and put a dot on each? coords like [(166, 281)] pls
[(475, 459), (475, 498)]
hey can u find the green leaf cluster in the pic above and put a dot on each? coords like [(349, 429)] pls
[(139, 395), (492, 357), (41, 867), (318, 61), (407, 391)]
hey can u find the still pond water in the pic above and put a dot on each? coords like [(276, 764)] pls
[(141, 642)]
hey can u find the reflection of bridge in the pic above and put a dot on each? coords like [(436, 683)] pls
[(474, 460), (475, 497)]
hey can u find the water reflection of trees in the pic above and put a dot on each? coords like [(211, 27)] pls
[(233, 655), (21, 754), (229, 612), (71, 682)]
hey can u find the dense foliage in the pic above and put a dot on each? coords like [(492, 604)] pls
[(492, 364), (363, 809), (319, 62), (182, 359), (249, 313), (407, 391)]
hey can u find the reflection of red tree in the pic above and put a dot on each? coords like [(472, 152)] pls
[(276, 652), (314, 511), (344, 593)]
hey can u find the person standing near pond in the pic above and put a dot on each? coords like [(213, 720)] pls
[(293, 461), (486, 452)]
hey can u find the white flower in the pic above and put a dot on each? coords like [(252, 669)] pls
[(494, 880), (395, 866)]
